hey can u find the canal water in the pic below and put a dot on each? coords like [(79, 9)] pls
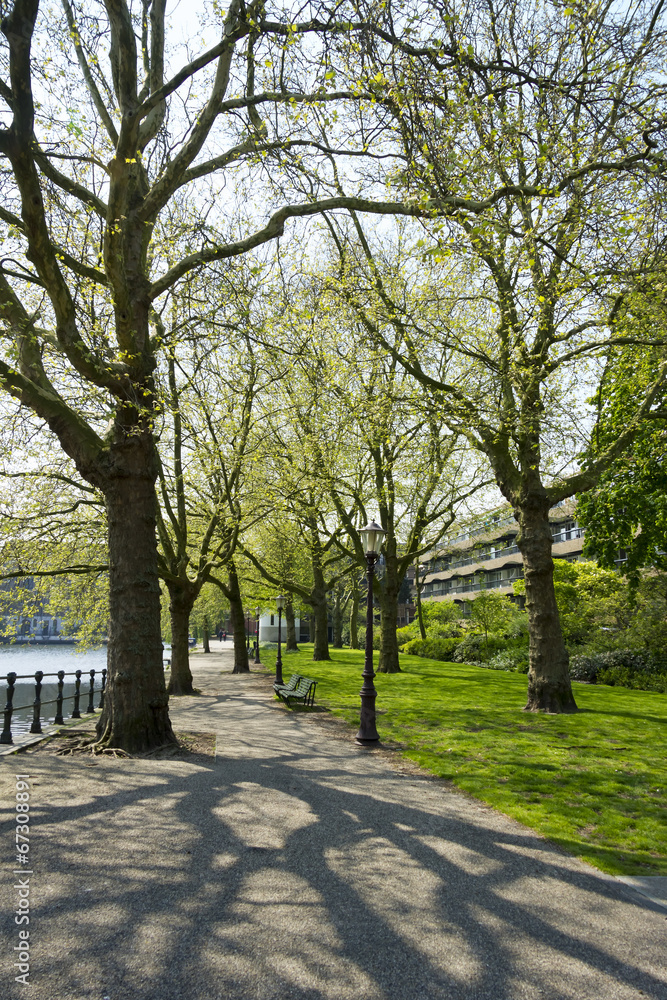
[(25, 660)]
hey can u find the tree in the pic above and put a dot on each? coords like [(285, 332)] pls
[(418, 601), (85, 212), (52, 536), (207, 444), (510, 300), (325, 568), (592, 602), (209, 612), (601, 611), (366, 440), (397, 457), (625, 513), (302, 514), (492, 612), (280, 551), (440, 617)]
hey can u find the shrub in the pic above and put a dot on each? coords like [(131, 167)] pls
[(515, 660), (441, 618), (492, 611), (619, 663), (433, 649), (642, 680), (405, 635), (476, 649), (584, 668)]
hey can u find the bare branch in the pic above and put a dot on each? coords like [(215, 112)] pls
[(76, 569), (100, 106), (70, 186)]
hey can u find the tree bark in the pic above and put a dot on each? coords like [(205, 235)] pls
[(337, 621), (321, 625), (135, 716), (388, 659), (354, 617), (549, 687), (387, 591), (241, 664), (205, 638), (180, 607), (318, 596), (290, 629)]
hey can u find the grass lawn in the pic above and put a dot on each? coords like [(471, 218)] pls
[(595, 782)]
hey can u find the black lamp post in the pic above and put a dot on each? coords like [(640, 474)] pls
[(280, 604), (371, 539), (257, 659)]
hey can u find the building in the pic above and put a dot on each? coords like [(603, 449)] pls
[(268, 628), (483, 554), (41, 625)]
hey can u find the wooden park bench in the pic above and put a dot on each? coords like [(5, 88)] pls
[(303, 690), (290, 686)]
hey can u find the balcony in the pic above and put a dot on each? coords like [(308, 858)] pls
[(567, 534)]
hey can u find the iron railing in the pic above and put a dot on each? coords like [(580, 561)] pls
[(36, 705)]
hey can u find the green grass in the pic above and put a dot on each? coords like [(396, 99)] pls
[(594, 783)]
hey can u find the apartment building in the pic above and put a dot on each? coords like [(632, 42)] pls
[(483, 554)]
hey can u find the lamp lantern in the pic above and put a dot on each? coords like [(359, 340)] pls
[(371, 538)]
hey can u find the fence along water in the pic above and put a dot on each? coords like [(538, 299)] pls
[(90, 690)]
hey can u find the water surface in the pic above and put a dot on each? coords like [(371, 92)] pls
[(25, 660)]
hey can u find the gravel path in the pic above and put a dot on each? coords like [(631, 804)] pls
[(297, 865)]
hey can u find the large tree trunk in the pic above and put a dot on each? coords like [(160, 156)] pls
[(549, 687), (337, 621), (290, 629), (321, 624), (180, 607), (241, 665), (388, 600), (318, 598), (135, 716), (387, 590), (354, 617)]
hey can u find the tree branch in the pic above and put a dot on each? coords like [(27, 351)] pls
[(100, 106)]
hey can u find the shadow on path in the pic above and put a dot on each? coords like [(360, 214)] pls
[(296, 867)]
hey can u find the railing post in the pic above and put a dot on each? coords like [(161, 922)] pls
[(59, 699), (6, 735), (36, 726), (104, 682), (91, 692), (76, 714)]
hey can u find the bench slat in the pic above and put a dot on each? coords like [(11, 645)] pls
[(304, 691), (290, 686)]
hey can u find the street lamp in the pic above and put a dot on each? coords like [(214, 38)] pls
[(257, 659), (280, 604), (371, 539)]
